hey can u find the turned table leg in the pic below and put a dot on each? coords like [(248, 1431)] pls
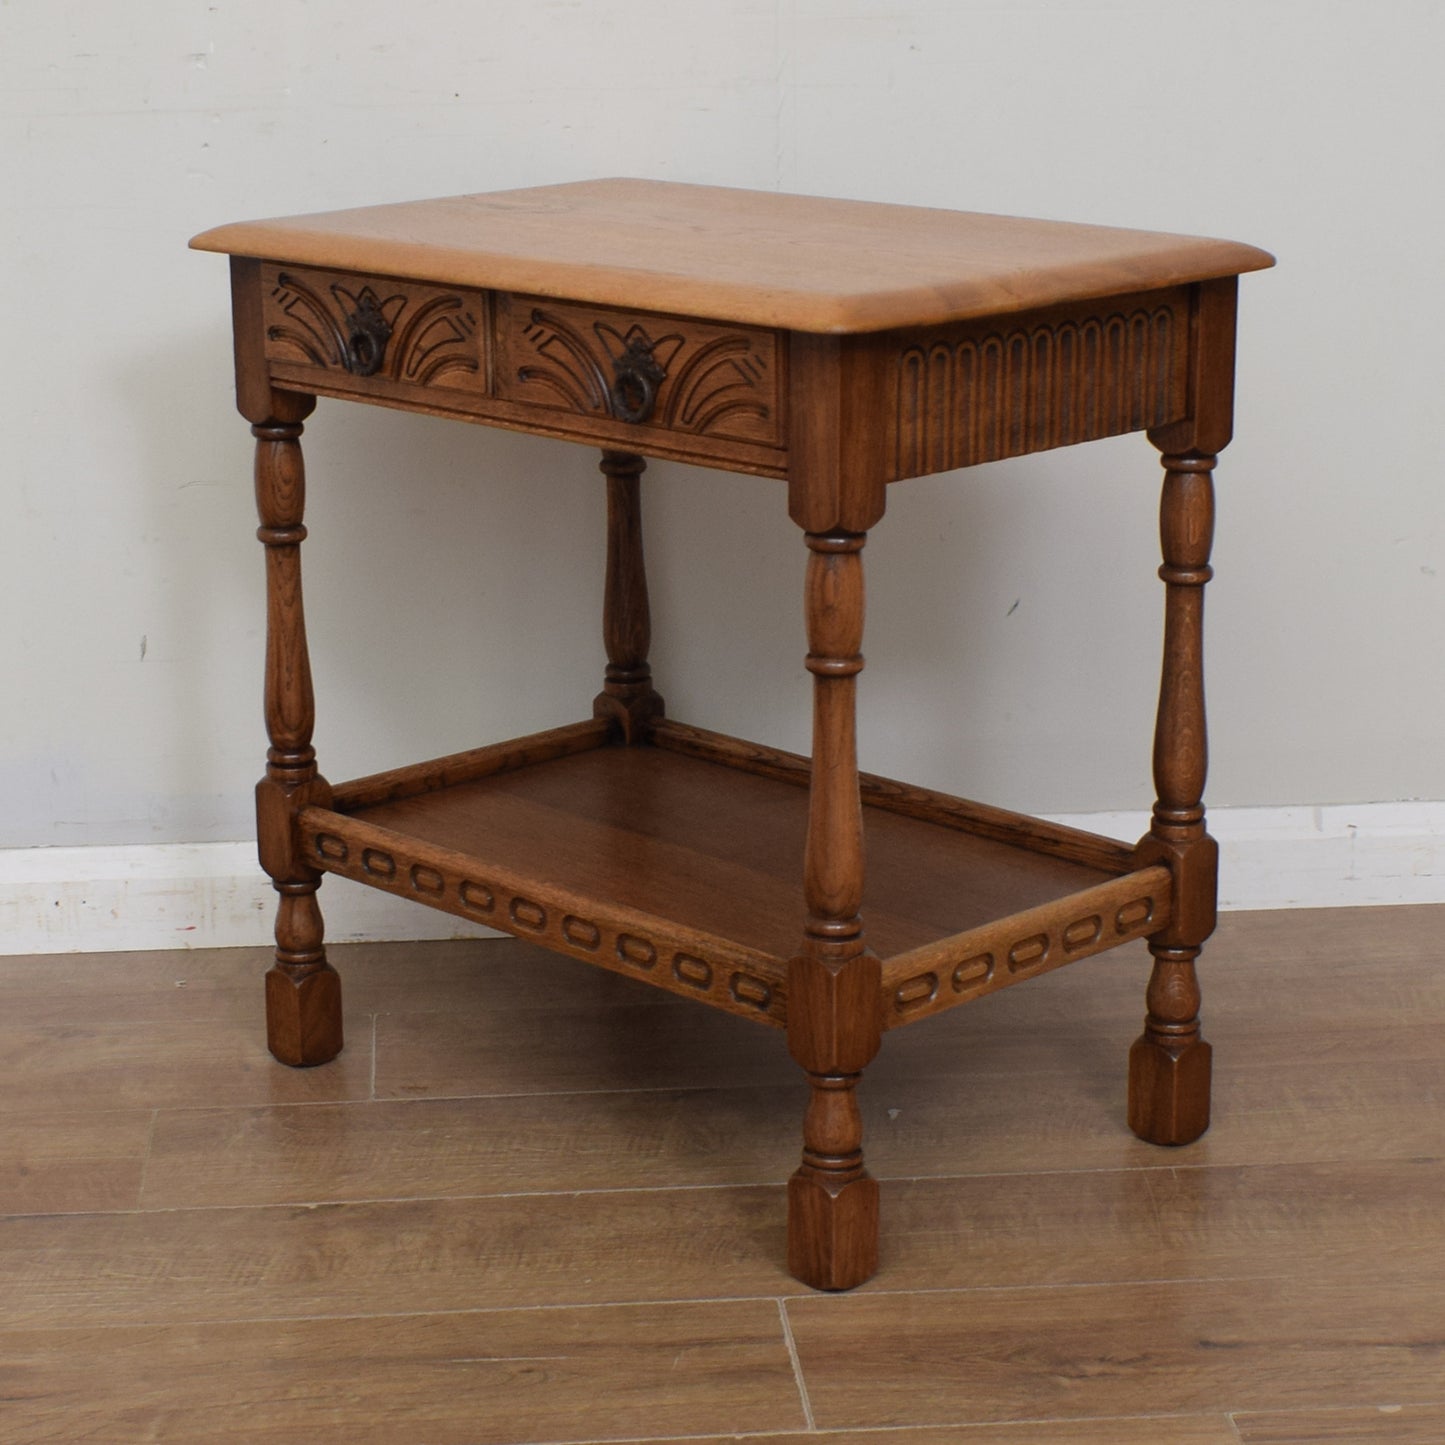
[(303, 992), (1169, 1066), (627, 694), (833, 983)]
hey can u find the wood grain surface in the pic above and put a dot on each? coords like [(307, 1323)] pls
[(1176, 1348), (756, 257), (1397, 1424), (718, 850), (465, 1378), (199, 1244), (1157, 1430)]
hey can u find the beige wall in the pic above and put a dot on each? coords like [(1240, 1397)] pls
[(454, 572)]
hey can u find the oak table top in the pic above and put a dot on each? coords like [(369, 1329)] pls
[(761, 258)]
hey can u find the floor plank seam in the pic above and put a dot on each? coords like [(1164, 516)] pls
[(372, 1090), (521, 1094), (712, 1437), (363, 1200), (574, 1192), (707, 1437), (1141, 1169), (1008, 1422), (145, 1161), (170, 1322), (802, 1384), (840, 1301), (1382, 1407), (868, 1292)]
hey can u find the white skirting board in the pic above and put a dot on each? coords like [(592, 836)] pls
[(212, 895), (181, 895)]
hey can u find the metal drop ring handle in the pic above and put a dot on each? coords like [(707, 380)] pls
[(634, 389), (367, 333)]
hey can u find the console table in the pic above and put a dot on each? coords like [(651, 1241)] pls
[(838, 347)]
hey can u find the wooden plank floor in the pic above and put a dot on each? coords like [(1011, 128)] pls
[(534, 1202)]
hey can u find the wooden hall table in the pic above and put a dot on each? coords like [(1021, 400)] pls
[(839, 347)]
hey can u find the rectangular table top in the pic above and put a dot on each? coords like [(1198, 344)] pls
[(759, 258)]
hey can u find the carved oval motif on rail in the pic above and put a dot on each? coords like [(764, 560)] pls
[(1132, 915), (754, 992), (688, 968), (913, 993), (1082, 932), (1029, 952), (427, 880), (476, 896), (973, 972), (527, 914), (377, 863), (581, 932), (638, 951)]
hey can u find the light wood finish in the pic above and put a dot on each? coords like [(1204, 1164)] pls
[(179, 1063), (342, 1382), (887, 794), (466, 767), (754, 257), (596, 1245), (1395, 1424), (63, 1162), (968, 965), (1186, 1348), (840, 347), (680, 850), (476, 1251), (1195, 1430)]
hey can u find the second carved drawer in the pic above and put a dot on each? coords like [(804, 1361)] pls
[(638, 368)]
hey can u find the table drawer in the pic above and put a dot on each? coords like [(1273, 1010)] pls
[(372, 331), (639, 368)]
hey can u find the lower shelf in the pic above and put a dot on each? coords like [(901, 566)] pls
[(681, 863)]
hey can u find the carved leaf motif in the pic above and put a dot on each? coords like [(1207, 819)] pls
[(722, 378), (311, 327), (573, 371), (691, 380), (421, 336)]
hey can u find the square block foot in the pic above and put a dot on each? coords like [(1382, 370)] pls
[(1169, 1091), (303, 1016), (832, 1237)]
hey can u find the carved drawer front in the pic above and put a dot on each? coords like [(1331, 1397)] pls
[(639, 368), (367, 331)]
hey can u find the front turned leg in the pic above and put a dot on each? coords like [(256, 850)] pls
[(303, 992), (834, 983), (1170, 1065)]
